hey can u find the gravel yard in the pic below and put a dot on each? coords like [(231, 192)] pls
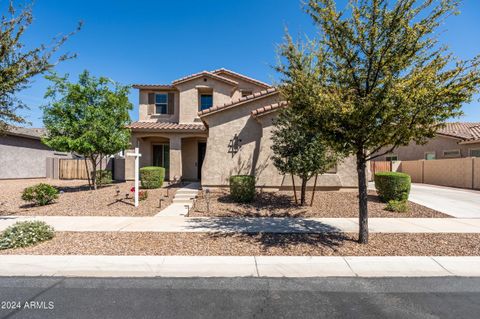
[(76, 199), (202, 244), (281, 204)]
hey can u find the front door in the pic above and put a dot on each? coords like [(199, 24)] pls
[(202, 148), (161, 157)]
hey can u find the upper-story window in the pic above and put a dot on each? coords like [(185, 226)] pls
[(161, 103), (206, 101)]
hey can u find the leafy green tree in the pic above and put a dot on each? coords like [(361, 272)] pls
[(382, 78), (87, 118), (298, 150), (19, 65)]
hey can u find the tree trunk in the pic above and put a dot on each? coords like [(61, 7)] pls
[(362, 198), (294, 189), (303, 191), (94, 173), (313, 192), (88, 172)]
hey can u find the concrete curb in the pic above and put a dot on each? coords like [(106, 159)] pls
[(238, 266)]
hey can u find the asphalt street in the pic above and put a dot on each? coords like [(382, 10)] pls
[(445, 297)]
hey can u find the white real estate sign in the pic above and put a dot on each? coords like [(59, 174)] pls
[(137, 172)]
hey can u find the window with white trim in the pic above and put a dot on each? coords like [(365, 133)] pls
[(161, 103), (475, 152), (430, 156), (451, 153), (391, 158)]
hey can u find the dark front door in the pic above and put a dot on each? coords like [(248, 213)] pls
[(161, 157), (202, 148)]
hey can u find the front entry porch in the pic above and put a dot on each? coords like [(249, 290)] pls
[(180, 154)]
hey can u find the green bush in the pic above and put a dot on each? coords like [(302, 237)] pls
[(152, 176), (103, 177), (392, 186), (23, 234), (242, 188), (40, 194), (399, 206)]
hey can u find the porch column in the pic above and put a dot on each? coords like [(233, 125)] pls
[(175, 157)]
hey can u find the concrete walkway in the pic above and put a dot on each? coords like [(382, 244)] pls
[(182, 202), (237, 266), (250, 225), (456, 202)]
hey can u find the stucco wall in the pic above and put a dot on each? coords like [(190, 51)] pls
[(143, 108), (437, 144), (254, 155), (458, 172), (189, 92), (22, 157)]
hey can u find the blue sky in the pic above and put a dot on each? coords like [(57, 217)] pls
[(159, 41)]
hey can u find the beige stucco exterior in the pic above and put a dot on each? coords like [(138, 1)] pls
[(231, 122), (437, 145)]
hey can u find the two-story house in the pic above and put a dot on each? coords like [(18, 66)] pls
[(210, 125)]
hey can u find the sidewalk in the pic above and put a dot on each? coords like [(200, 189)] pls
[(241, 266), (249, 225)]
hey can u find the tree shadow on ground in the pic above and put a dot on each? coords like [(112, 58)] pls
[(268, 241), (272, 232), (276, 205)]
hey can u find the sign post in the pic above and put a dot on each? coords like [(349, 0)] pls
[(137, 172)]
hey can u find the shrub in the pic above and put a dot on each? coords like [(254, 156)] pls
[(392, 186), (152, 176), (399, 206), (40, 194), (242, 188), (23, 234), (104, 177)]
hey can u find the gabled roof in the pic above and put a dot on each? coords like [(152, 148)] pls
[(269, 109), (34, 133), (204, 74), (165, 126), (466, 131), (238, 102), (241, 76)]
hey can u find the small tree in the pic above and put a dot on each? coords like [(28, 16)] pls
[(18, 65), (298, 150), (382, 78), (88, 118)]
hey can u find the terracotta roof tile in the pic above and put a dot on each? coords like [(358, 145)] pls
[(244, 99), (463, 130), (241, 76), (165, 126), (204, 73), (268, 108), (153, 86)]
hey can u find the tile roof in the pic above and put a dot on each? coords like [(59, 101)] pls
[(242, 100), (166, 126), (204, 73), (241, 76), (269, 108), (466, 131), (153, 86), (30, 132)]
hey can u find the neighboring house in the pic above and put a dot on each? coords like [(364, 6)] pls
[(22, 154), (455, 140), (211, 125)]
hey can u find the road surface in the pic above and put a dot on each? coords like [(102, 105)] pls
[(440, 297)]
